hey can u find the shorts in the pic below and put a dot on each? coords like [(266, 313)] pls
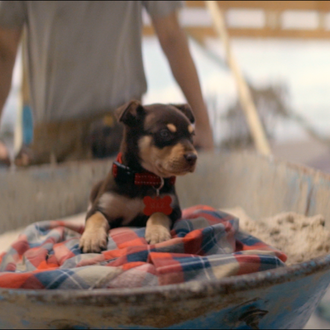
[(80, 139)]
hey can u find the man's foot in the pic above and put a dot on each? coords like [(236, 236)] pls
[(23, 158), (4, 157)]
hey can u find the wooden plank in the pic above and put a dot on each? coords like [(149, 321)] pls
[(272, 29), (195, 3), (280, 33), (251, 114), (47, 192), (201, 32), (262, 186), (267, 5)]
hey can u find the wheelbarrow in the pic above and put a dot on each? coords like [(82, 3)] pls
[(282, 298)]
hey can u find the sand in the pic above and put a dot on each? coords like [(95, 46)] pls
[(301, 238)]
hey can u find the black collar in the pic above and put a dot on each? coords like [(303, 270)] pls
[(125, 174)]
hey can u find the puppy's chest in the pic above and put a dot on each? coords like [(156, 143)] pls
[(117, 207)]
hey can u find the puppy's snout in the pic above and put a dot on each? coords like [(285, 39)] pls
[(191, 158)]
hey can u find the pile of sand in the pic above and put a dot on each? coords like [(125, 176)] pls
[(301, 238)]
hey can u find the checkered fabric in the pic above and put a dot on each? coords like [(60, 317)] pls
[(206, 245)]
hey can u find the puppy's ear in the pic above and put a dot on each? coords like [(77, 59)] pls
[(186, 109), (129, 112)]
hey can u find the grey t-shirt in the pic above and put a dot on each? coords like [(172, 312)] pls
[(84, 57)]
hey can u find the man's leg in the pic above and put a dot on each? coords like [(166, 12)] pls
[(58, 142), (105, 138), (74, 140), (98, 137)]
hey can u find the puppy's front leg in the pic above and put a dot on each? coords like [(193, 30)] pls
[(158, 228), (95, 236)]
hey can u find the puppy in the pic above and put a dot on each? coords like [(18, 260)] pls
[(139, 191)]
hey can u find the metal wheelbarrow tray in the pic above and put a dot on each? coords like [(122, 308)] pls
[(280, 299)]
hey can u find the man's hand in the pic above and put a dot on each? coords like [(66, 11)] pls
[(175, 46), (203, 138)]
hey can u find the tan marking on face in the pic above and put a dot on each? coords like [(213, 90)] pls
[(158, 228), (172, 128), (94, 238), (190, 129), (118, 206), (149, 120), (146, 153), (167, 161)]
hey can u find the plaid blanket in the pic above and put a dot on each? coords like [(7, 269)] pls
[(206, 244)]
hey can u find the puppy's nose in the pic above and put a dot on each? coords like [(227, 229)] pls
[(191, 158)]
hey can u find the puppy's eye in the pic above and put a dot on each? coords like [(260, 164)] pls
[(164, 134)]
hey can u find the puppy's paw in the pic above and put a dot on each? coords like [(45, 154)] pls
[(95, 236), (93, 241), (157, 234)]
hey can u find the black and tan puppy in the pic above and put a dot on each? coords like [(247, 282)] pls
[(139, 191)]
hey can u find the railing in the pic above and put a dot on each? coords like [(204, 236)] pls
[(275, 19)]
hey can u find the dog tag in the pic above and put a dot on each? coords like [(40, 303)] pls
[(157, 204)]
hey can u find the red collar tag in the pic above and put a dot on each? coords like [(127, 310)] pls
[(157, 204)]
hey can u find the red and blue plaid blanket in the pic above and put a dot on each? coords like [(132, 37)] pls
[(206, 245)]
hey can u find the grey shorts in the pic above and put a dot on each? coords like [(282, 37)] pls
[(96, 137)]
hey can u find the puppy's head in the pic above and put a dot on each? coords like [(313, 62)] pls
[(160, 137)]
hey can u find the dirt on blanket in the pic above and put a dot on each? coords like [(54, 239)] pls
[(301, 238)]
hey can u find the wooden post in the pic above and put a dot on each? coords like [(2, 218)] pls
[(245, 97)]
